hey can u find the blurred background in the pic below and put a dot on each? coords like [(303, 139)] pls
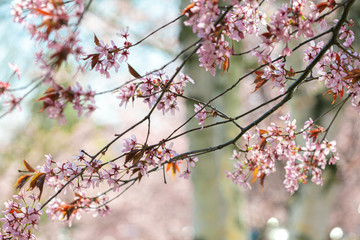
[(209, 206)]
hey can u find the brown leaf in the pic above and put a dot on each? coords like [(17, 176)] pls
[(94, 60), (262, 180), (139, 176), (259, 80), (37, 181), (130, 156), (263, 143), (134, 155), (28, 167), (259, 72), (41, 182), (49, 93), (259, 85), (138, 156), (321, 6), (96, 41), (20, 182), (267, 35), (67, 211), (354, 75), (133, 72)]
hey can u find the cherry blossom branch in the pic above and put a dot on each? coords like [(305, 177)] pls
[(288, 93), (118, 136), (104, 149), (335, 116), (290, 90), (140, 159), (26, 86), (82, 15), (21, 99), (263, 65), (346, 51), (156, 70), (157, 30)]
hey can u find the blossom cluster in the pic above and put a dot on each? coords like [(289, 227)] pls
[(4, 87), (52, 15), (89, 172), (19, 220), (339, 68), (288, 23), (50, 22), (277, 73), (278, 143), (108, 57), (202, 114), (142, 157), (5, 94), (57, 97), (243, 19), (150, 88), (60, 210), (53, 26)]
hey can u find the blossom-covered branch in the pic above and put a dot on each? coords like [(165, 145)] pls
[(54, 26)]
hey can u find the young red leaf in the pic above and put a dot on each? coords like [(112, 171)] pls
[(174, 168), (262, 131), (191, 5), (315, 132), (226, 64), (255, 172), (259, 73), (67, 210), (42, 12), (334, 98), (341, 93), (322, 6)]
